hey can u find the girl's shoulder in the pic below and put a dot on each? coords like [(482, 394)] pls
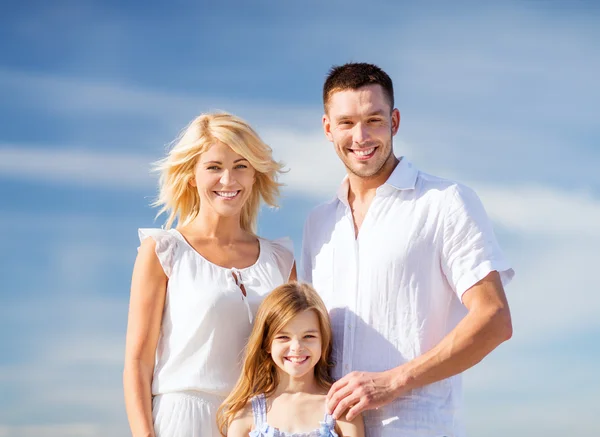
[(242, 423), (354, 428)]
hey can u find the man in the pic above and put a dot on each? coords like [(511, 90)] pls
[(408, 266)]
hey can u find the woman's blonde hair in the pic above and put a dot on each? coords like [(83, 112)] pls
[(259, 373), (181, 201)]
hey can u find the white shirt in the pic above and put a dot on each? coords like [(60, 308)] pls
[(206, 319), (395, 291)]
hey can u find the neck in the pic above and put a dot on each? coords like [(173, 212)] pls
[(290, 385), (363, 188), (215, 226)]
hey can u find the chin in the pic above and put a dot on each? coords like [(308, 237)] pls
[(228, 212)]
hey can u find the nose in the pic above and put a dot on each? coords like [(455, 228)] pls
[(295, 345), (360, 133), (226, 178)]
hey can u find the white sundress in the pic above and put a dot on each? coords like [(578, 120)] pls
[(206, 323)]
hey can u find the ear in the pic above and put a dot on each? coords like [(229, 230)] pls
[(395, 121), (327, 127), (192, 181)]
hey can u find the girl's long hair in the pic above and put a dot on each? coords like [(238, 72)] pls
[(259, 373), (181, 201)]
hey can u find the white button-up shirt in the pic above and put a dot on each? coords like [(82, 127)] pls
[(395, 291)]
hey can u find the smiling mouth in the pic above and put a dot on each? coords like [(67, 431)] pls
[(296, 360), (364, 154), (227, 194)]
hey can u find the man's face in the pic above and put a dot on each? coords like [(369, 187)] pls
[(360, 124)]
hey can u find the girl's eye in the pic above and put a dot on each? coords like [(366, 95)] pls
[(212, 167), (282, 337), (241, 166), (310, 336)]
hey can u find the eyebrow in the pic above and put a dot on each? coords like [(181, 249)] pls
[(311, 331), (370, 114), (219, 162)]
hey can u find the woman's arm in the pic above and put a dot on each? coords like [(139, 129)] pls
[(356, 428), (148, 290)]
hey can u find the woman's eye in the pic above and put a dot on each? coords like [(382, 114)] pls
[(241, 166), (310, 336), (212, 167)]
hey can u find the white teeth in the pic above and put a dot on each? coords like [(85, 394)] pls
[(297, 359), (364, 152), (226, 193)]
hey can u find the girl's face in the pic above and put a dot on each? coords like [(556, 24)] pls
[(223, 179), (296, 349)]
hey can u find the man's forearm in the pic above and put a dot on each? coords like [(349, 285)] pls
[(468, 343)]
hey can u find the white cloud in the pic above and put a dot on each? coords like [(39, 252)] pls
[(533, 388), (538, 210), (76, 429), (80, 167)]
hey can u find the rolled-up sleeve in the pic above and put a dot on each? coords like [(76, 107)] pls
[(470, 250)]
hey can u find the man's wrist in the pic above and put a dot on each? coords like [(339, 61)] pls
[(402, 380)]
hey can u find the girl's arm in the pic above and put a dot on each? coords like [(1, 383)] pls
[(148, 290), (355, 428)]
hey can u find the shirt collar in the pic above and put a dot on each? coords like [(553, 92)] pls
[(404, 177)]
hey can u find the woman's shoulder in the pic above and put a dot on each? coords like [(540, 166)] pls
[(279, 245), (281, 252), (163, 242)]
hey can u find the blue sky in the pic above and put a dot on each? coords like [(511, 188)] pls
[(502, 97)]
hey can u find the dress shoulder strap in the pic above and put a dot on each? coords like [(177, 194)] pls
[(327, 428), (259, 410)]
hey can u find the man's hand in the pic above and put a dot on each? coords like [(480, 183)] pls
[(360, 391)]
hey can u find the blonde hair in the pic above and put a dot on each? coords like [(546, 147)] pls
[(259, 373), (181, 201)]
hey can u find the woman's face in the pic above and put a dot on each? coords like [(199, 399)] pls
[(223, 179)]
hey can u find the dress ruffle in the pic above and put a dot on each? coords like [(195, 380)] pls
[(166, 244)]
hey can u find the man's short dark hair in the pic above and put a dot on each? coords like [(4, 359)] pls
[(353, 76)]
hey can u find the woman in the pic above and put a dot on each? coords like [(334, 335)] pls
[(196, 287)]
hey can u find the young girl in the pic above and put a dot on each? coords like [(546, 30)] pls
[(282, 388)]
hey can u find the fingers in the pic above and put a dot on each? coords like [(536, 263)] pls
[(342, 382), (334, 402), (344, 400), (334, 396), (356, 410)]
